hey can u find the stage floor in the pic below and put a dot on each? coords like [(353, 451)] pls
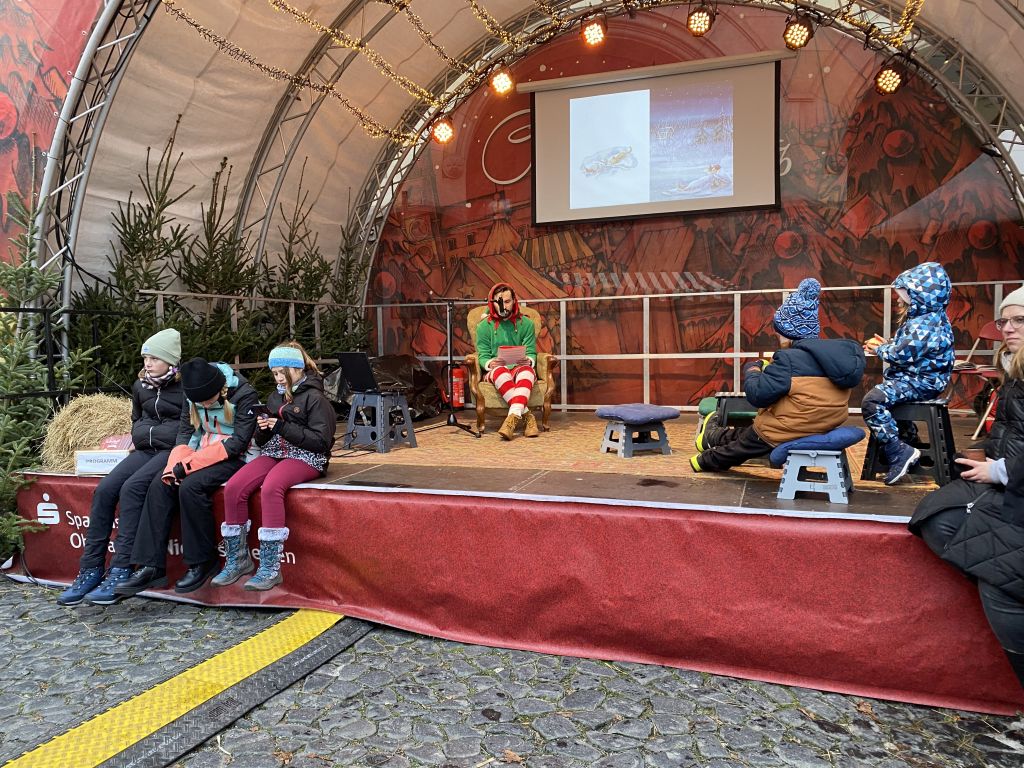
[(567, 463)]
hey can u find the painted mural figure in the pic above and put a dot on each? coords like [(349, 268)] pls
[(920, 358), (504, 332), (976, 523), (804, 390), (157, 399)]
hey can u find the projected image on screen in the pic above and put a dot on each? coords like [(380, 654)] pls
[(691, 142), (609, 149), (675, 138)]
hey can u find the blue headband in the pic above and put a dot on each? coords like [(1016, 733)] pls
[(286, 357)]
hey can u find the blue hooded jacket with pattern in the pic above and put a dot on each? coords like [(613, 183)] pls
[(921, 353)]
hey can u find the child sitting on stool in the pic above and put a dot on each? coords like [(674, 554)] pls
[(804, 390), (920, 358)]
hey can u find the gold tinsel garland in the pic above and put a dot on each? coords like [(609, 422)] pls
[(371, 126), (492, 25), (402, 6), (356, 44)]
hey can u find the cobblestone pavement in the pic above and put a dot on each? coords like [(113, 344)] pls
[(396, 699)]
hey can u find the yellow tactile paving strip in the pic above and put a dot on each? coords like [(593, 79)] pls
[(113, 731)]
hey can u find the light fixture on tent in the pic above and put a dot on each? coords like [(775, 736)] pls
[(501, 81), (700, 19), (442, 131), (594, 30), (799, 31), (889, 78)]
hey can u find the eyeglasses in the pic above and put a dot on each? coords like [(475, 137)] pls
[(1017, 322)]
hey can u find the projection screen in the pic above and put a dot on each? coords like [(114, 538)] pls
[(657, 140)]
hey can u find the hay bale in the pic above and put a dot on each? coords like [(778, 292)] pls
[(81, 425)]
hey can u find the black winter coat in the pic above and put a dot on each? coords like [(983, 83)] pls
[(1006, 439), (155, 415), (989, 544), (308, 422)]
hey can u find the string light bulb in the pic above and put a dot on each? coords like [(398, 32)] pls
[(700, 19), (888, 80), (799, 31), (594, 30), (443, 131), (502, 82)]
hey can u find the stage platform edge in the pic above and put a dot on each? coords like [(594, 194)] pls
[(838, 602)]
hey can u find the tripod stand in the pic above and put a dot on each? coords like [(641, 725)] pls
[(452, 421)]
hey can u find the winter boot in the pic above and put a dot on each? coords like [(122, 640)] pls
[(708, 425), (85, 582), (268, 575), (104, 594), (901, 458), (530, 428), (237, 561), (509, 427)]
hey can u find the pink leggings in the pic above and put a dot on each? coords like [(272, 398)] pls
[(275, 476)]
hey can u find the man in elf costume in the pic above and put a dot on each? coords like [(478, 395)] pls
[(505, 326)]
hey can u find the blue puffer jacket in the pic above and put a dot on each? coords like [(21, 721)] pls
[(921, 352)]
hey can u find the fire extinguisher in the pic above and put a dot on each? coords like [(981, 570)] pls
[(459, 387)]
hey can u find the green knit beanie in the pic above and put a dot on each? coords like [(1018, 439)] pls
[(165, 345)]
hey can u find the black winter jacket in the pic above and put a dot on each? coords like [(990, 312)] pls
[(155, 415), (1006, 439), (308, 422), (989, 544)]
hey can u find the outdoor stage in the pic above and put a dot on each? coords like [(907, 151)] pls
[(548, 545)]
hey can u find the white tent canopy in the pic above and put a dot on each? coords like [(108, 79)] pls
[(231, 110)]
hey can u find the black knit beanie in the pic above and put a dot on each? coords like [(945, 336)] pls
[(201, 380)]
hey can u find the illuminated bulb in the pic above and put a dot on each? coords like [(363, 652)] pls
[(799, 32), (699, 20), (594, 31), (443, 132), (888, 80), (501, 82)]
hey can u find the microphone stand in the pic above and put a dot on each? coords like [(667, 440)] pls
[(452, 421)]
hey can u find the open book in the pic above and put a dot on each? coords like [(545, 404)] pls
[(510, 356)]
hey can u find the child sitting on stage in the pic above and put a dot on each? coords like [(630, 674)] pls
[(920, 358), (296, 441), (804, 390)]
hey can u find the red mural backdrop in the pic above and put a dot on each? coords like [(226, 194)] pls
[(41, 42), (870, 186)]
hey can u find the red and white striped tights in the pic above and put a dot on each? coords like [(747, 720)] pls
[(513, 385)]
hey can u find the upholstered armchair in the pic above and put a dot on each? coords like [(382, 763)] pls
[(484, 393)]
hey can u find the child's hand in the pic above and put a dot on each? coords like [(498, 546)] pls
[(872, 344), (266, 422)]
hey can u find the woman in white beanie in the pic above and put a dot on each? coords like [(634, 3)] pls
[(157, 399), (976, 523)]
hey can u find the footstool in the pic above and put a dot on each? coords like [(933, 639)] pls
[(634, 427)]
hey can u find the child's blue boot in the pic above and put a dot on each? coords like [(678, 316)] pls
[(104, 594), (268, 575), (237, 561), (901, 458), (85, 582)]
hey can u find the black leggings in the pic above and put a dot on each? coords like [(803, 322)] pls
[(1005, 613)]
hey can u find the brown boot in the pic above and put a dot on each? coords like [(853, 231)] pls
[(530, 428), (509, 427)]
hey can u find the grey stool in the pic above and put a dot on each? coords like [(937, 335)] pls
[(826, 451), (636, 427), (374, 429)]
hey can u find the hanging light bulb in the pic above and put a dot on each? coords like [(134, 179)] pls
[(502, 82), (442, 131), (888, 79), (700, 19), (594, 30), (799, 31)]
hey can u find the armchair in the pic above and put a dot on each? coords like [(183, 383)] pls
[(486, 396)]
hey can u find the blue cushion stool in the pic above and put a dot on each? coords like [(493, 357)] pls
[(828, 452), (634, 427)]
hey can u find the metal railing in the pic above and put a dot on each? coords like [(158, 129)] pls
[(646, 356)]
